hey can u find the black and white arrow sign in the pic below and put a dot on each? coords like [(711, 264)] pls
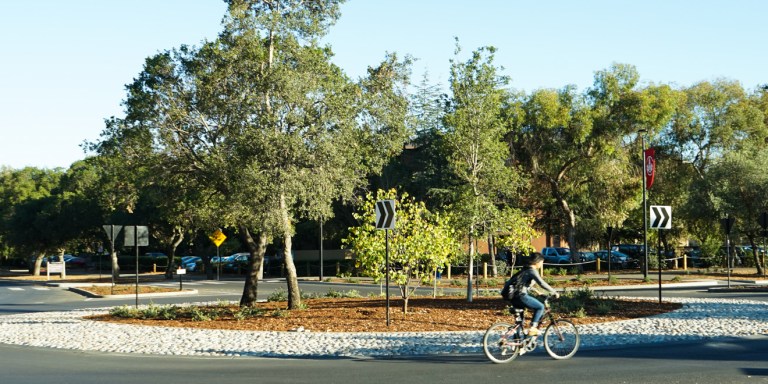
[(385, 214), (661, 217)]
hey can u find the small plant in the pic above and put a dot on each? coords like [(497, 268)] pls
[(279, 295), (580, 313), (334, 294), (199, 314), (677, 279), (247, 312), (561, 271), (458, 283), (613, 280), (280, 313), (353, 280), (124, 312), (589, 281), (647, 279), (352, 293), (603, 307)]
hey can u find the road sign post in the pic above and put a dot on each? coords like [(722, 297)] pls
[(218, 237), (661, 218), (727, 224), (385, 219), (136, 236), (763, 220)]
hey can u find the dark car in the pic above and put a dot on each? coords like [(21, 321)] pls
[(618, 259), (556, 255), (586, 256), (74, 261)]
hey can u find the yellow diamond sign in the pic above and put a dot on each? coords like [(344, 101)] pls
[(218, 237)]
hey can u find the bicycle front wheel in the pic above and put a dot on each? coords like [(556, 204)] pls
[(501, 343), (561, 339)]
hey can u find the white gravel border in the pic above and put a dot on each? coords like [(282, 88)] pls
[(698, 319)]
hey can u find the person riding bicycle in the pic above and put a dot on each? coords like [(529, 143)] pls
[(523, 297)]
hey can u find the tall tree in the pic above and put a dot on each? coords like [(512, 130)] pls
[(574, 145), (710, 120), (264, 125), (740, 183), (475, 144)]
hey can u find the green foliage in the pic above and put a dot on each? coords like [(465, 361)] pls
[(280, 313), (421, 242), (278, 295)]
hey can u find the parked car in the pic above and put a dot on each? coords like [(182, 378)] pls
[(235, 262), (618, 259), (586, 256), (73, 261), (556, 255), (191, 263)]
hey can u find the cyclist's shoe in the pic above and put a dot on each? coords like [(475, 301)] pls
[(533, 331)]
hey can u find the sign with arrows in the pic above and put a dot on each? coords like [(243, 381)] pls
[(661, 217), (385, 214)]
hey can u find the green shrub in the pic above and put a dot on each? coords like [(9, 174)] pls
[(603, 307), (280, 313), (279, 295)]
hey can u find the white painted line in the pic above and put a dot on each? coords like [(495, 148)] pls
[(15, 289)]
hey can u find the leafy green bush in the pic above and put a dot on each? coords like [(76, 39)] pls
[(278, 295)]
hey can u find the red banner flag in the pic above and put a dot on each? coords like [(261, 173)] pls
[(649, 163)]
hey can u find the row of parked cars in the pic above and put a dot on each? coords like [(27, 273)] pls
[(233, 263), (562, 255)]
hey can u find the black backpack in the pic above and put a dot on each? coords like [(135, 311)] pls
[(511, 286)]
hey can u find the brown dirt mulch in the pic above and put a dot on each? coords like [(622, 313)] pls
[(369, 315)]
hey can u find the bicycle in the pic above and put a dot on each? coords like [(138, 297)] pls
[(503, 342)]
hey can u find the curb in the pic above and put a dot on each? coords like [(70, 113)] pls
[(126, 296)]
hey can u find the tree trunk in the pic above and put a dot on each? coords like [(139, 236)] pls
[(294, 294), (178, 237), (257, 250), (760, 264), (470, 266), (492, 251), (115, 265), (38, 263)]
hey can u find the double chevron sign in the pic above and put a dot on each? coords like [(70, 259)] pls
[(661, 217), (385, 214)]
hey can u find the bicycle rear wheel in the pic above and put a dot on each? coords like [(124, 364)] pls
[(561, 339), (501, 343)]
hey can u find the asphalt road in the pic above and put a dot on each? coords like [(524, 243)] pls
[(726, 361), (743, 360)]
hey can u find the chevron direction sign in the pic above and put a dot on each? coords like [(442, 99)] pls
[(385, 214), (661, 217)]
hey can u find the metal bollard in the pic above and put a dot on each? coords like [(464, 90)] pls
[(597, 266), (485, 270), (449, 271)]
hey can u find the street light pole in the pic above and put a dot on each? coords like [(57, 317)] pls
[(645, 208)]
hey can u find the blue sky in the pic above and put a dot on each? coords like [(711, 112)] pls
[(65, 62)]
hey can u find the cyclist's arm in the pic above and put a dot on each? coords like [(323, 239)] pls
[(543, 283)]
